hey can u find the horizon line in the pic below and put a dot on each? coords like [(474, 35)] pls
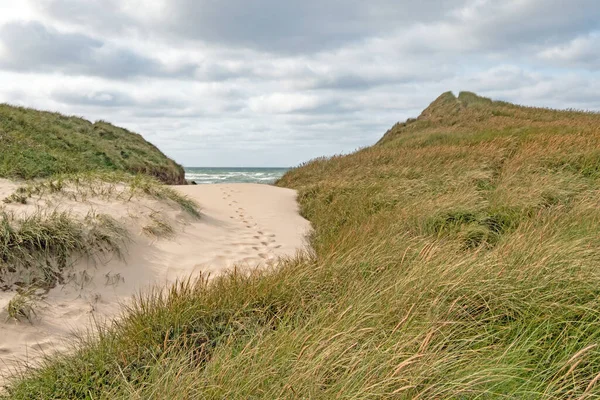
[(186, 166)]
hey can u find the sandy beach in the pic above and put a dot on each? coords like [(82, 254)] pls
[(242, 225)]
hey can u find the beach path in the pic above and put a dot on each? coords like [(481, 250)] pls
[(242, 225)]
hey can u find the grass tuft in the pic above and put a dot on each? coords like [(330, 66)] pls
[(140, 183), (22, 305), (36, 249), (158, 228)]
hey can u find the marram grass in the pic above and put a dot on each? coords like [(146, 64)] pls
[(35, 250), (458, 259), (106, 185)]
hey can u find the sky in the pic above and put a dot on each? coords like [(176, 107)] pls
[(276, 83)]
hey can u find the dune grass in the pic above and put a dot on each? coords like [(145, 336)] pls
[(105, 185), (458, 258), (22, 306), (36, 249), (37, 144), (143, 184), (158, 227)]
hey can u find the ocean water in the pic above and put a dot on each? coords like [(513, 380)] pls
[(234, 175)]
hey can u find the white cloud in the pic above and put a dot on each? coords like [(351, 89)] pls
[(582, 51)]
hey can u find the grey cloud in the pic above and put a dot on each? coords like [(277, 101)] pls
[(504, 77), (581, 51), (104, 15), (347, 82), (536, 22), (99, 99), (307, 26), (372, 77), (158, 107), (32, 46), (495, 28), (267, 25), (332, 107), (539, 21)]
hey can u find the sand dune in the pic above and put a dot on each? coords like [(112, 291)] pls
[(246, 225)]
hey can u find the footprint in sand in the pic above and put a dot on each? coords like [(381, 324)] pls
[(269, 235)]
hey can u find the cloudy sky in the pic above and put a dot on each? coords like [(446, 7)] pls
[(277, 82)]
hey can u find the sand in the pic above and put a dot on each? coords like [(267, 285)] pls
[(242, 225)]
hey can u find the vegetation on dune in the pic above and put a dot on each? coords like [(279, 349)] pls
[(38, 144), (158, 227), (106, 185), (457, 258), (36, 249), (22, 306)]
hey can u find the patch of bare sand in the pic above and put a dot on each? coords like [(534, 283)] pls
[(246, 225)]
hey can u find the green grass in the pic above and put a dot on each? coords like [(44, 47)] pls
[(38, 144), (457, 258)]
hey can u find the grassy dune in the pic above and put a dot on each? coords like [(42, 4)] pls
[(457, 258), (38, 144)]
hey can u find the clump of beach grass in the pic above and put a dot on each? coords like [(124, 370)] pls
[(22, 305), (37, 248), (143, 184), (456, 259), (158, 227)]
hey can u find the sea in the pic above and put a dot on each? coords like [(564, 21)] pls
[(234, 175)]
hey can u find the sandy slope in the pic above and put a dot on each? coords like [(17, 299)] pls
[(242, 224)]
